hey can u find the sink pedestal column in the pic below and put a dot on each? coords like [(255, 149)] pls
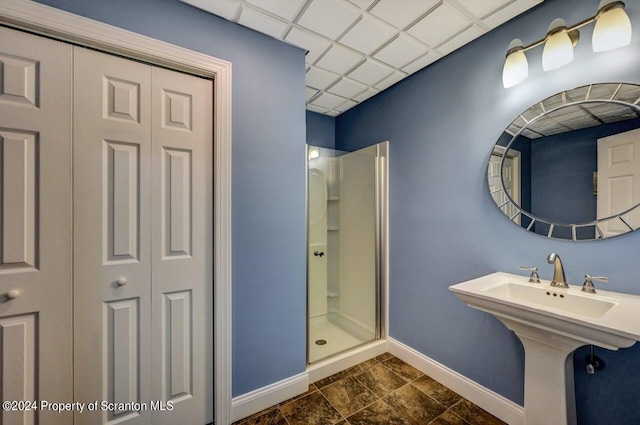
[(549, 393)]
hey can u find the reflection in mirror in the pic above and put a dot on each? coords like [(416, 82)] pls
[(565, 168)]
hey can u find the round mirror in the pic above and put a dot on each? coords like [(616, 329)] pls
[(569, 166)]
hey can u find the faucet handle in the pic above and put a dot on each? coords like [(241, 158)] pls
[(534, 277), (587, 286)]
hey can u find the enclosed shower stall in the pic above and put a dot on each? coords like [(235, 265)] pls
[(347, 198)]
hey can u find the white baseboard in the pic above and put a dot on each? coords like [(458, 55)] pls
[(257, 400), (492, 402)]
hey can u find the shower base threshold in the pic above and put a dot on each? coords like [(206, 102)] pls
[(345, 360), (331, 334)]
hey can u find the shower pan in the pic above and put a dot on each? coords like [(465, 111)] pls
[(346, 252)]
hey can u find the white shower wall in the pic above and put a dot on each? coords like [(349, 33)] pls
[(323, 227), (317, 217)]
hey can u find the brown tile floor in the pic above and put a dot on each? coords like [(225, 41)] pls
[(384, 390)]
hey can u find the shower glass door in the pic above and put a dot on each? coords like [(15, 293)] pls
[(345, 198)]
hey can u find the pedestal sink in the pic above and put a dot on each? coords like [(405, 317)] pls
[(552, 323)]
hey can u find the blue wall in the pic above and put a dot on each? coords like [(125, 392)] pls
[(562, 179), (269, 272), (321, 130), (442, 123)]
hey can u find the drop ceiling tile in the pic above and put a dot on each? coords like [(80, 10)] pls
[(628, 93), (319, 78), (310, 92), (420, 63), (602, 91), (366, 95), (620, 117), (401, 51), (347, 88), (370, 72), (339, 34), (338, 59), (261, 22), (345, 106), (362, 4), (480, 9), (583, 122), (328, 101), (439, 25), (460, 40), (401, 13), (510, 11), (226, 9), (329, 18), (390, 80), (314, 44), (368, 34), (287, 9), (317, 109)]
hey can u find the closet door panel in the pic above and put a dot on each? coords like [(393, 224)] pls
[(35, 225), (112, 287), (182, 238), (19, 376)]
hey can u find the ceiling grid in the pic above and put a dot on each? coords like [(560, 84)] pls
[(357, 48)]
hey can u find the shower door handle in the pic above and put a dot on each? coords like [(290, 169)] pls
[(319, 254)]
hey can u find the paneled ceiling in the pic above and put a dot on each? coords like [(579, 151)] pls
[(357, 48)]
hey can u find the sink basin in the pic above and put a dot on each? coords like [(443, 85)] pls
[(548, 297), (605, 319), (552, 323)]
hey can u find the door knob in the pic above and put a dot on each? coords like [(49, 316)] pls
[(122, 281), (13, 294)]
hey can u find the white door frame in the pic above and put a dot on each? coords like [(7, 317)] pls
[(42, 19)]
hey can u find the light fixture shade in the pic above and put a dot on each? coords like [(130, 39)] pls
[(612, 30), (558, 49), (516, 67)]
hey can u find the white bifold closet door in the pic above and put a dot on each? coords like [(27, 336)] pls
[(35, 226), (142, 241)]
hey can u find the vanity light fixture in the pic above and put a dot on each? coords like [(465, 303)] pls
[(612, 30)]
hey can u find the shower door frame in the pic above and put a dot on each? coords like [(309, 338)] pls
[(381, 205)]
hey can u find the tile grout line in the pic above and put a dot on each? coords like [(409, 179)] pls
[(365, 387), (328, 401), (283, 415), (449, 410), (355, 376)]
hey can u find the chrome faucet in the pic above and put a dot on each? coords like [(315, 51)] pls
[(559, 281)]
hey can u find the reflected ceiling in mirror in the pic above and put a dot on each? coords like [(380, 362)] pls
[(569, 166)]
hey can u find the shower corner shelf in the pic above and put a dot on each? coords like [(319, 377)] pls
[(333, 198), (333, 294), (333, 228)]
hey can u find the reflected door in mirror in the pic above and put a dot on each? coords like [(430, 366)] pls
[(619, 181)]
